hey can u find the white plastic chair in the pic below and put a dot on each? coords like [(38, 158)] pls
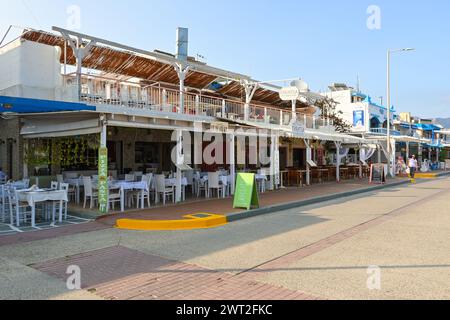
[(65, 187), (89, 192), (214, 184), (114, 197), (17, 208), (54, 185), (129, 177), (161, 188)]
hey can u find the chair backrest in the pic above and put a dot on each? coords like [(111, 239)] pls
[(129, 177), (160, 182), (87, 183), (26, 183), (54, 185), (95, 177), (13, 197), (189, 177), (213, 180), (60, 178), (65, 187)]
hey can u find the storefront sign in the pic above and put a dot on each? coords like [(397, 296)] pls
[(298, 129), (246, 194), (103, 179), (289, 93)]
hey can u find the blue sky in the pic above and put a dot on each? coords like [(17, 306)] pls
[(319, 41)]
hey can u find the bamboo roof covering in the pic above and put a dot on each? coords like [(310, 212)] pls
[(123, 62)]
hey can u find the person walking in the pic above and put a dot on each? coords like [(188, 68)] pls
[(412, 164)]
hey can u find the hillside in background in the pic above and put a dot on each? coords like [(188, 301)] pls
[(444, 121)]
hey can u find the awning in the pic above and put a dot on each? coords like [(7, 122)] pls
[(59, 126), (24, 105)]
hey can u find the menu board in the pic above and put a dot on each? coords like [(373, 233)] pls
[(246, 193), (377, 174)]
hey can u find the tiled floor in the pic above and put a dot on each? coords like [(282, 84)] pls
[(6, 229)]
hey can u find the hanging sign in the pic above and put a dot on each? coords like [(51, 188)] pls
[(103, 180), (289, 93), (246, 194)]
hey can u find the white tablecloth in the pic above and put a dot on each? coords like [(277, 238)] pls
[(173, 182), (32, 197)]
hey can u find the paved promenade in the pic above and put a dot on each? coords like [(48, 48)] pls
[(321, 251)]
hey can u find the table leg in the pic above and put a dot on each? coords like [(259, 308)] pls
[(33, 216), (122, 200), (60, 211), (142, 199)]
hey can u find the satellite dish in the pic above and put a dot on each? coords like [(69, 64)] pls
[(301, 85)]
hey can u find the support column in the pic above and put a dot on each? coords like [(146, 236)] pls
[(308, 158), (80, 51), (338, 161), (250, 90), (103, 191), (180, 161), (362, 154), (392, 160), (182, 71), (407, 151), (294, 111), (274, 162), (232, 157)]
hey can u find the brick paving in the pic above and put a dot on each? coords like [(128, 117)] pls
[(119, 273)]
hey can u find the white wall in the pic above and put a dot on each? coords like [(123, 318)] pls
[(30, 70)]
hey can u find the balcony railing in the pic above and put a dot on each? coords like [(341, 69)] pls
[(98, 90), (383, 132)]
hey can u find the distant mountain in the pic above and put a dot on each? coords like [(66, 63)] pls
[(445, 122)]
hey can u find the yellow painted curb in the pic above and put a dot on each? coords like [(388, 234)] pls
[(191, 222), (426, 175)]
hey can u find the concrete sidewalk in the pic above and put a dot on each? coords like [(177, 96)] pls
[(269, 202)]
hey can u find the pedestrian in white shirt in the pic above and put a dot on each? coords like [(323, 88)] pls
[(412, 164)]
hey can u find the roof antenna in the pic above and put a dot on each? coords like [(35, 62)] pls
[(357, 83)]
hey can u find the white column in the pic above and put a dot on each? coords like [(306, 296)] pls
[(407, 151), (294, 110), (362, 153), (250, 90), (338, 161), (180, 161), (182, 71), (197, 105), (224, 107), (103, 135), (232, 160), (308, 158), (392, 160)]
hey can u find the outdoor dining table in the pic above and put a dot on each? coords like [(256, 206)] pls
[(225, 181), (40, 195), (173, 182), (320, 172), (128, 185)]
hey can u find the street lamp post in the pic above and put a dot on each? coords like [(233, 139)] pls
[(389, 52)]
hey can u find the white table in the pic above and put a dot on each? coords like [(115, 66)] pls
[(127, 185), (225, 180), (173, 182), (33, 197)]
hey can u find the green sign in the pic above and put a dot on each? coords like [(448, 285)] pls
[(103, 179), (246, 193)]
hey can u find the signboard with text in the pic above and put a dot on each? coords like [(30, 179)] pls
[(246, 194), (103, 180), (377, 174)]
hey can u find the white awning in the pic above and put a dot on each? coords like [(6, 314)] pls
[(59, 126)]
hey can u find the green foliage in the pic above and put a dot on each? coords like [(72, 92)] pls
[(327, 107)]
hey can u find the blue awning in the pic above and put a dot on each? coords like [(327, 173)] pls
[(426, 127), (25, 105)]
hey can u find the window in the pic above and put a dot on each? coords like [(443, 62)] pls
[(146, 152)]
